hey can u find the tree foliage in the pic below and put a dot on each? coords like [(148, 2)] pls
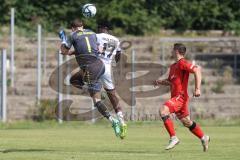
[(135, 17)]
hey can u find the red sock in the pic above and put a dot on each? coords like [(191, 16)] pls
[(197, 131), (170, 127)]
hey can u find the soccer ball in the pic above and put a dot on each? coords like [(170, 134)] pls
[(89, 10)]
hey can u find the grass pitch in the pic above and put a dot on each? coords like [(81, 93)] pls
[(81, 141)]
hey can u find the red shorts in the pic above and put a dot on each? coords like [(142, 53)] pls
[(178, 105)]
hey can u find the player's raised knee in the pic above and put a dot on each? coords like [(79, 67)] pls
[(165, 117), (187, 122), (164, 111)]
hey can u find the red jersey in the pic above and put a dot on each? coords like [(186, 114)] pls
[(178, 76)]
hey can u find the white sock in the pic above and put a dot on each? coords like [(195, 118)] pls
[(120, 117), (111, 119), (173, 137)]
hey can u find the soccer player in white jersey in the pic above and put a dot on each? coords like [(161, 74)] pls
[(109, 50)]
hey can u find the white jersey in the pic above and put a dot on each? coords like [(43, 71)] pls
[(110, 45)]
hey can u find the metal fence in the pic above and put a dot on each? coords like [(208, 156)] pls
[(3, 85), (218, 56), (1, 93)]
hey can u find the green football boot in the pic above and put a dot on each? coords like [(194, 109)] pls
[(116, 127), (123, 129)]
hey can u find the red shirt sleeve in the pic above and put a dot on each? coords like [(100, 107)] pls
[(187, 66)]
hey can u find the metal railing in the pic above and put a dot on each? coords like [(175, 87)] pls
[(3, 86)]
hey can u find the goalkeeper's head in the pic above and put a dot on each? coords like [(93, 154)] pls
[(76, 25)]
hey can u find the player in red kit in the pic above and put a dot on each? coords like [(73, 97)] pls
[(178, 104)]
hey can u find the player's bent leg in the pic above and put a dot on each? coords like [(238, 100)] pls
[(111, 92), (197, 131), (115, 123), (170, 128), (104, 111), (118, 110), (110, 88), (164, 113), (77, 79), (113, 99), (99, 105), (115, 103), (186, 121)]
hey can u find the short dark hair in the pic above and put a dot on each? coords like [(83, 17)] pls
[(103, 28), (181, 48), (76, 23)]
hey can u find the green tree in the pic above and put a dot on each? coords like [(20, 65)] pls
[(135, 17)]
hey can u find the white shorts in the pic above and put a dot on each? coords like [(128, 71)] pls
[(107, 78)]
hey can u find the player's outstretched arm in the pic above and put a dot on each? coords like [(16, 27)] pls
[(198, 77), (66, 43), (165, 82)]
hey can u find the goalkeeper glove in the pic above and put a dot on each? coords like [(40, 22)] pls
[(63, 37)]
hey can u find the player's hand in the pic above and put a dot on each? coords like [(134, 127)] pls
[(197, 93), (156, 83)]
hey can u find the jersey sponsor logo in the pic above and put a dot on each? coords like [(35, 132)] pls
[(85, 33), (109, 40)]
